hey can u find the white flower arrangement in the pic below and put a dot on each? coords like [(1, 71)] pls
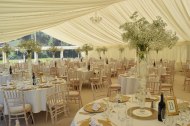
[(146, 36), (86, 48), (29, 47)]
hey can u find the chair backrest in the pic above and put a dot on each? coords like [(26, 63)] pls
[(14, 98), (61, 86), (72, 74), (53, 71), (153, 84), (55, 99), (99, 90)]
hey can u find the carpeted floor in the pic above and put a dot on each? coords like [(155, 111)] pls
[(87, 97)]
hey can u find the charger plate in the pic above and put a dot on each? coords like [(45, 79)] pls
[(88, 108), (149, 114), (102, 122), (155, 98), (122, 100)]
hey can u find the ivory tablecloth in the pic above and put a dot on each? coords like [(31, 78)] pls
[(129, 85)]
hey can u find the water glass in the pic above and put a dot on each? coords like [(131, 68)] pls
[(121, 115)]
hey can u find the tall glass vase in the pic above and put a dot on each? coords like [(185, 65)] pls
[(141, 68), (30, 67)]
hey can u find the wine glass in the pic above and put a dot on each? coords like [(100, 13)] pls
[(121, 114)]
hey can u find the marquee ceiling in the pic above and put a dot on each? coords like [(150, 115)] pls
[(70, 20)]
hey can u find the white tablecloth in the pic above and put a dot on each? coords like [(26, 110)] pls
[(84, 74), (113, 116), (37, 98), (129, 85), (4, 79)]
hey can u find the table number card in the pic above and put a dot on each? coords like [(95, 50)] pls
[(171, 106)]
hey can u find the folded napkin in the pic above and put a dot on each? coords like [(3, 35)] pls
[(148, 95), (94, 122), (96, 106), (74, 123)]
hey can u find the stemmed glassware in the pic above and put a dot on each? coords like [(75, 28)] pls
[(121, 114)]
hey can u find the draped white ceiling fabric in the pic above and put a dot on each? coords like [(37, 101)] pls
[(22, 17), (69, 20), (81, 30)]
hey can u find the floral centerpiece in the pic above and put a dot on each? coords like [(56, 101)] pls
[(29, 47), (53, 49), (121, 49), (86, 48), (78, 50), (145, 36), (104, 49), (98, 50), (6, 49)]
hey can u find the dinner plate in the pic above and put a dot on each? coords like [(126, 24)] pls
[(89, 108), (122, 99)]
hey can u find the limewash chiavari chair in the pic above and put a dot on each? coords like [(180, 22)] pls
[(17, 108), (166, 84), (75, 93), (57, 103), (99, 90), (187, 78), (63, 72), (153, 84), (53, 71), (112, 87)]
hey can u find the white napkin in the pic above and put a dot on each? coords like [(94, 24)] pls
[(148, 95), (74, 123), (94, 122), (96, 106)]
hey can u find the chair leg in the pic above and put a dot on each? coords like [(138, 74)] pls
[(46, 115), (5, 119), (32, 118), (26, 120), (184, 85), (9, 120)]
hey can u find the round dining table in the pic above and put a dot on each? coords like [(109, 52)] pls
[(35, 95), (113, 112), (129, 84), (84, 74), (4, 78)]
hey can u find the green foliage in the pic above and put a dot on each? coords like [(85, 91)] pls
[(104, 49), (145, 36), (29, 46), (53, 49), (6, 49), (78, 50), (121, 49), (86, 48)]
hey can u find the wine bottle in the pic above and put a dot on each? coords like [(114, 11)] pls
[(55, 64), (161, 108), (88, 67), (154, 64), (10, 70), (33, 79), (106, 61)]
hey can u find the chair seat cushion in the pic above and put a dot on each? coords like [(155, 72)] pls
[(20, 109), (187, 79), (74, 79), (115, 86), (95, 79), (166, 85), (1, 107), (73, 93)]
